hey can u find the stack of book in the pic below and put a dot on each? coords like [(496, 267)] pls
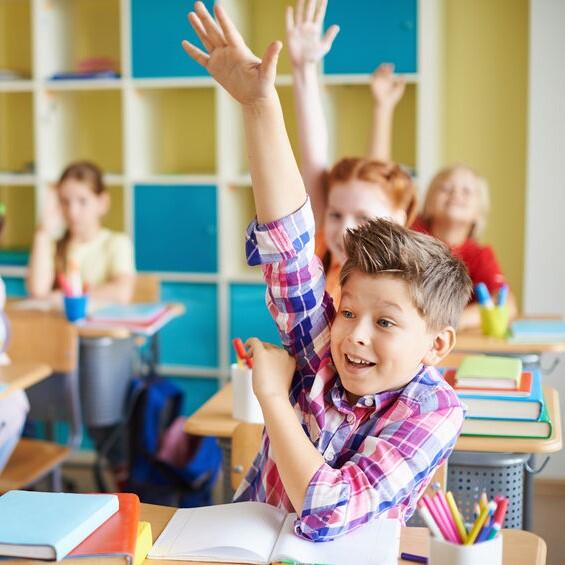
[(501, 399), (87, 527), (537, 331)]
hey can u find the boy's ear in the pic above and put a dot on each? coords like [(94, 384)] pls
[(443, 343)]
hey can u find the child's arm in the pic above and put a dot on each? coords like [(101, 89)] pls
[(387, 90), (307, 47), (282, 240), (295, 456), (41, 268), (277, 186)]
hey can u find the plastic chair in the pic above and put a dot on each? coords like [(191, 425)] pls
[(48, 338)]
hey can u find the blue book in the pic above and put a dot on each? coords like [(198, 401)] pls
[(47, 525), (537, 331), (129, 313), (482, 404)]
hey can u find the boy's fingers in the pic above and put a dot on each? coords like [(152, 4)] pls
[(299, 12), (199, 30), (214, 33), (310, 9), (196, 53), (270, 58), (229, 30), (321, 11)]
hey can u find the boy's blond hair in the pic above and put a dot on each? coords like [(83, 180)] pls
[(482, 188), (440, 286)]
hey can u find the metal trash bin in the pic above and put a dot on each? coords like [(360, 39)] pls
[(105, 370), (469, 473)]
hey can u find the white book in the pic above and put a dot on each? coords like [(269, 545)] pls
[(255, 532)]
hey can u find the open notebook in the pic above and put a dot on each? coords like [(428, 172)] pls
[(254, 532)]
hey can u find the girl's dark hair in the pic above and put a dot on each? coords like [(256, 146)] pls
[(91, 174)]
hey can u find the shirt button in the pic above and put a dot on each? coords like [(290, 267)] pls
[(329, 455), (350, 418), (369, 401)]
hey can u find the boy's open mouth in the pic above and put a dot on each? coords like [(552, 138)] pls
[(357, 362)]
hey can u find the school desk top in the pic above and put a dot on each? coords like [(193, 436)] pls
[(89, 331), (473, 341), (214, 418), (520, 547), (17, 376)]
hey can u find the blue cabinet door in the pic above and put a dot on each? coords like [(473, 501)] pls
[(157, 29), (191, 339), (249, 316), (15, 287), (372, 32), (175, 228)]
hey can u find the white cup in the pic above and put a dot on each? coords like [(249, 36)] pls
[(482, 553), (245, 404)]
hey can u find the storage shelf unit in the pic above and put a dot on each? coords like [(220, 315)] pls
[(171, 141)]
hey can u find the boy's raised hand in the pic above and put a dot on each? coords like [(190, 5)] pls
[(304, 32), (387, 88), (228, 59)]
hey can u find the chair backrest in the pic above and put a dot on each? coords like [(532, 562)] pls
[(146, 289), (43, 337), (246, 441), (47, 337)]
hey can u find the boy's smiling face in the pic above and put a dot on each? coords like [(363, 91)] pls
[(379, 339)]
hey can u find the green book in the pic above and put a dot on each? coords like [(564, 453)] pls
[(489, 427), (489, 371)]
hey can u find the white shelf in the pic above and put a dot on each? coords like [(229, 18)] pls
[(82, 84), (16, 179), (193, 82), (16, 85), (176, 179)]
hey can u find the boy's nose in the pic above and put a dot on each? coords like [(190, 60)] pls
[(359, 334)]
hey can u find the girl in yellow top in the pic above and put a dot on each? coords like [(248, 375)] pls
[(104, 258)]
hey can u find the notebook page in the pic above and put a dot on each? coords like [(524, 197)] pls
[(375, 543), (244, 531)]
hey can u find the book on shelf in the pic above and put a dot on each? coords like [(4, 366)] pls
[(116, 538), (489, 371), (537, 331), (483, 403), (143, 543), (255, 532), (48, 525), (490, 427)]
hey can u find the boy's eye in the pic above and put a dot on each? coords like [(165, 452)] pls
[(347, 313), (384, 323)]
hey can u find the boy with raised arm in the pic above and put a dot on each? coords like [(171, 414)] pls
[(356, 418)]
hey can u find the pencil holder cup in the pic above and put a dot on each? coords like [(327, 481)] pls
[(485, 553), (245, 404), (494, 321), (75, 307)]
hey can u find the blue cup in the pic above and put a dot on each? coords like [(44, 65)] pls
[(75, 307)]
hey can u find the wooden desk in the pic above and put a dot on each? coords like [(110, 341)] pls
[(520, 548), (19, 376)]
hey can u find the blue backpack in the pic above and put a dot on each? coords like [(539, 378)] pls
[(167, 466)]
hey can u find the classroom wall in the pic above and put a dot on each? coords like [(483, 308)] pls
[(486, 73), (544, 273)]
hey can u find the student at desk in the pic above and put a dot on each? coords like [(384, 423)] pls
[(357, 419), (103, 257), (455, 207)]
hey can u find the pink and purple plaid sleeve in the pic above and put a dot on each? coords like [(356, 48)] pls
[(387, 471), (295, 278)]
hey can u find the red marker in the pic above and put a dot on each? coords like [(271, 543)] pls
[(241, 353), (64, 284), (498, 518)]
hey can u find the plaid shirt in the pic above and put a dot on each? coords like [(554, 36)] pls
[(379, 454)]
